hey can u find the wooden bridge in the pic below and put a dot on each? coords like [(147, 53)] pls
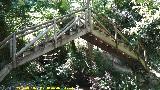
[(83, 23)]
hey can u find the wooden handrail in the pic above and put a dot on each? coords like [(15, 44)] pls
[(5, 40), (104, 28), (51, 21), (121, 34), (49, 24), (34, 40), (115, 27)]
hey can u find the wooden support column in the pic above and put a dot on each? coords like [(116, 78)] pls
[(14, 50), (115, 37), (33, 41), (145, 56), (55, 35), (138, 55), (11, 47), (88, 16)]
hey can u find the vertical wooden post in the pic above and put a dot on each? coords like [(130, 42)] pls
[(11, 47), (138, 51), (115, 37), (46, 36), (42, 33), (55, 34), (145, 56), (88, 16), (14, 50)]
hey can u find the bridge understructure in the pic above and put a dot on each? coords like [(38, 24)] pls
[(83, 23)]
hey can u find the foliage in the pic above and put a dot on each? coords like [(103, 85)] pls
[(68, 65)]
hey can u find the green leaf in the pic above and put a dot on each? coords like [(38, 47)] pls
[(140, 1)]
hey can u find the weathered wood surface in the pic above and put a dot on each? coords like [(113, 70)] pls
[(40, 50), (108, 44), (105, 42)]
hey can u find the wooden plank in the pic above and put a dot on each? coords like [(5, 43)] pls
[(67, 28), (34, 40), (104, 28), (41, 27), (5, 71), (34, 54), (49, 46), (114, 25), (33, 27), (5, 40), (33, 30), (11, 47), (121, 47), (14, 49)]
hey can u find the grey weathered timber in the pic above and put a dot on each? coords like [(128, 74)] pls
[(34, 40), (14, 50), (2, 43), (121, 47), (51, 21), (67, 28), (40, 51), (113, 24), (102, 26), (11, 47), (34, 30), (50, 46), (39, 28), (5, 71)]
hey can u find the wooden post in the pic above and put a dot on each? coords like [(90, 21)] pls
[(86, 23), (116, 41), (145, 56), (46, 36), (14, 50), (67, 28), (34, 40), (138, 52), (87, 16), (115, 37), (11, 47), (55, 35)]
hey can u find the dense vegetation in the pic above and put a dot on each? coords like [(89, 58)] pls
[(70, 64)]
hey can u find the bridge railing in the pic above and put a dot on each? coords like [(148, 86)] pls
[(118, 36), (46, 31)]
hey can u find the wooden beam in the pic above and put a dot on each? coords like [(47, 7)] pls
[(49, 46), (11, 48), (33, 41), (5, 71), (104, 28), (121, 47), (67, 28), (51, 21), (14, 50), (34, 54), (5, 40)]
